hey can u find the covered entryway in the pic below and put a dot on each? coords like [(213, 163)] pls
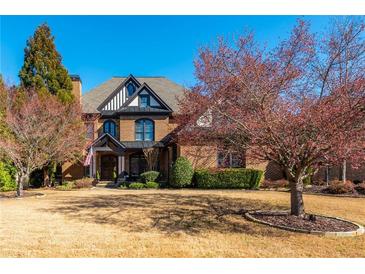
[(108, 166)]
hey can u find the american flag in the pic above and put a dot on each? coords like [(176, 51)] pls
[(88, 157)]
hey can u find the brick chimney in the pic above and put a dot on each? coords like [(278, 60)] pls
[(76, 87)]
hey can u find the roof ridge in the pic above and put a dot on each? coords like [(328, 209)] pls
[(139, 76)]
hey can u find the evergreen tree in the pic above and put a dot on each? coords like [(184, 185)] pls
[(42, 68)]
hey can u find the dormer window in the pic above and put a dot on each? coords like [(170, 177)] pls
[(144, 100), (131, 88)]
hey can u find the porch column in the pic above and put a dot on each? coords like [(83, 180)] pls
[(94, 165), (91, 170), (120, 164), (123, 163)]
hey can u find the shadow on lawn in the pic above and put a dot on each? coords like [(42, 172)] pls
[(168, 213)]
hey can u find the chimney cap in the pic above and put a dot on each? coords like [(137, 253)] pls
[(75, 77)]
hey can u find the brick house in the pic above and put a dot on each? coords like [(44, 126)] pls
[(125, 115)]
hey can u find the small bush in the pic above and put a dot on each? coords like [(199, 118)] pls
[(282, 183), (84, 182), (182, 173), (360, 188), (339, 187), (137, 185), (228, 178), (7, 181), (152, 185), (356, 182), (149, 176), (66, 186)]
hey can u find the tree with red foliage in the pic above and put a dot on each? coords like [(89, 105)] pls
[(40, 130), (270, 104)]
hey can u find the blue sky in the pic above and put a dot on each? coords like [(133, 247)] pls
[(99, 47)]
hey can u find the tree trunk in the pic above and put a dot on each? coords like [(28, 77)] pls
[(46, 177), (344, 171), (327, 175), (296, 197), (22, 178)]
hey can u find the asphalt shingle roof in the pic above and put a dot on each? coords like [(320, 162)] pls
[(165, 88)]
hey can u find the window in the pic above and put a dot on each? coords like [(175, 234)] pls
[(144, 130), (144, 100), (131, 88), (226, 159), (110, 127)]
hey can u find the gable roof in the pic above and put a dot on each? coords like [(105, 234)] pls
[(150, 91), (129, 79), (163, 88)]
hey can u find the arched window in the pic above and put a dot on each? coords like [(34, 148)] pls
[(131, 88), (110, 127), (144, 130)]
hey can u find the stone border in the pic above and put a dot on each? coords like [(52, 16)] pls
[(37, 196), (359, 231)]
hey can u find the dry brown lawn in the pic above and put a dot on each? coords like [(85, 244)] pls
[(165, 223)]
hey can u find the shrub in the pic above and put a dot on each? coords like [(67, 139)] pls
[(152, 185), (182, 173), (339, 187), (150, 176), (66, 186), (84, 182), (360, 188), (228, 178), (7, 181), (275, 184), (137, 185), (356, 182)]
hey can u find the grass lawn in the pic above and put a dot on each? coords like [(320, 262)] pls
[(165, 223)]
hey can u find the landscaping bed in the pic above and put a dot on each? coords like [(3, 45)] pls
[(310, 223)]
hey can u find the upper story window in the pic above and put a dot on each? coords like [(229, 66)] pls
[(110, 127), (144, 100), (144, 130), (131, 88)]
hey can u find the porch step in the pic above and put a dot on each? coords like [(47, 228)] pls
[(108, 184)]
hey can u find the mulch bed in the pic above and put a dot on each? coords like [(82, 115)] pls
[(12, 195), (324, 224), (314, 189)]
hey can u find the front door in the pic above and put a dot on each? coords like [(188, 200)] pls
[(108, 166)]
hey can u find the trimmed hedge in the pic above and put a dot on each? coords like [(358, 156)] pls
[(228, 178), (149, 176), (137, 185), (182, 173), (66, 186), (152, 185)]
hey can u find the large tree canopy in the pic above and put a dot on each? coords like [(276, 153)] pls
[(40, 130), (300, 105), (42, 69)]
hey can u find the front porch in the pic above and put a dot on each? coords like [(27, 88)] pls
[(109, 159)]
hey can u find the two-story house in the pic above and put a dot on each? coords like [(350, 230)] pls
[(125, 115)]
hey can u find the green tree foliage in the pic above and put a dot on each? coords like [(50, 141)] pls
[(7, 177), (182, 173), (42, 68)]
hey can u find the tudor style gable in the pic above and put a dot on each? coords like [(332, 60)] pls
[(131, 94), (145, 97), (120, 95)]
